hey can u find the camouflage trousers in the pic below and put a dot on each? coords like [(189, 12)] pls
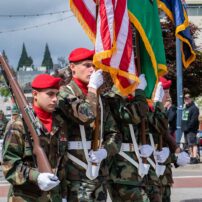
[(154, 193), (45, 197), (127, 193), (166, 193), (87, 191)]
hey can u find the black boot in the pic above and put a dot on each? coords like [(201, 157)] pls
[(193, 160)]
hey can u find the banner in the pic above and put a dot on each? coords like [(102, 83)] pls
[(176, 11), (144, 16)]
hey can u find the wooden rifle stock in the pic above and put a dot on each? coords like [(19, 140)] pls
[(28, 116), (96, 135), (160, 143), (143, 135)]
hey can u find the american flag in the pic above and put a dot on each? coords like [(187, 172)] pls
[(111, 33)]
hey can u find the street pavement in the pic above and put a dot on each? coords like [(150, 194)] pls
[(187, 185)]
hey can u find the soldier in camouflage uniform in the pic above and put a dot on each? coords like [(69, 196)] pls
[(78, 101), (14, 115), (27, 183), (170, 153), (125, 182), (3, 123)]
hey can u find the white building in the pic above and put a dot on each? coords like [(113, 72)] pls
[(194, 9)]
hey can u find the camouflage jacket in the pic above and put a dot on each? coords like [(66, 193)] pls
[(18, 163), (158, 125), (3, 123), (125, 112), (79, 109)]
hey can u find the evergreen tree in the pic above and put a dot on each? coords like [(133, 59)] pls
[(47, 60), (24, 59)]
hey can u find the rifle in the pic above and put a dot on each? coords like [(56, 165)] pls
[(32, 123)]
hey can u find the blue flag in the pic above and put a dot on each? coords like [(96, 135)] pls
[(176, 11)]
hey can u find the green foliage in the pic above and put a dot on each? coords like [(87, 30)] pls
[(192, 76), (4, 91), (25, 60), (47, 60)]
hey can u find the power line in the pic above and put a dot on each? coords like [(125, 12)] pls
[(33, 15), (36, 26)]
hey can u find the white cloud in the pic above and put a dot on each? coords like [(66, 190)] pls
[(61, 37)]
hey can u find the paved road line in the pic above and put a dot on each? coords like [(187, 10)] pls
[(4, 190), (194, 182), (191, 176)]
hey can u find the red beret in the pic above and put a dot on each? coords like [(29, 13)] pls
[(80, 54), (166, 83), (45, 81)]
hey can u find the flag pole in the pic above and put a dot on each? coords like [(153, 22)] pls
[(95, 142), (179, 90), (143, 120)]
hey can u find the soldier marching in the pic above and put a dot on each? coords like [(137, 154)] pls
[(83, 167)]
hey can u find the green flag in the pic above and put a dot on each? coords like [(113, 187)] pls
[(144, 16)]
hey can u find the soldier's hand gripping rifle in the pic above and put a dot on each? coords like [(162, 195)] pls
[(29, 118), (143, 165), (93, 168)]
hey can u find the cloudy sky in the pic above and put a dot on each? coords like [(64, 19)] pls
[(61, 36)]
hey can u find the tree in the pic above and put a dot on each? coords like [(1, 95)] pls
[(47, 60), (4, 89), (193, 74), (25, 60), (62, 62)]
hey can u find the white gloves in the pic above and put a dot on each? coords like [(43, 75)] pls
[(162, 155), (47, 181), (143, 83), (182, 158), (1, 147), (96, 79), (64, 200), (159, 93), (97, 156), (145, 150)]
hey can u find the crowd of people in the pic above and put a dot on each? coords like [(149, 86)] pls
[(131, 158)]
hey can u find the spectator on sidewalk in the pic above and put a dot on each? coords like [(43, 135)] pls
[(190, 124), (171, 112)]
